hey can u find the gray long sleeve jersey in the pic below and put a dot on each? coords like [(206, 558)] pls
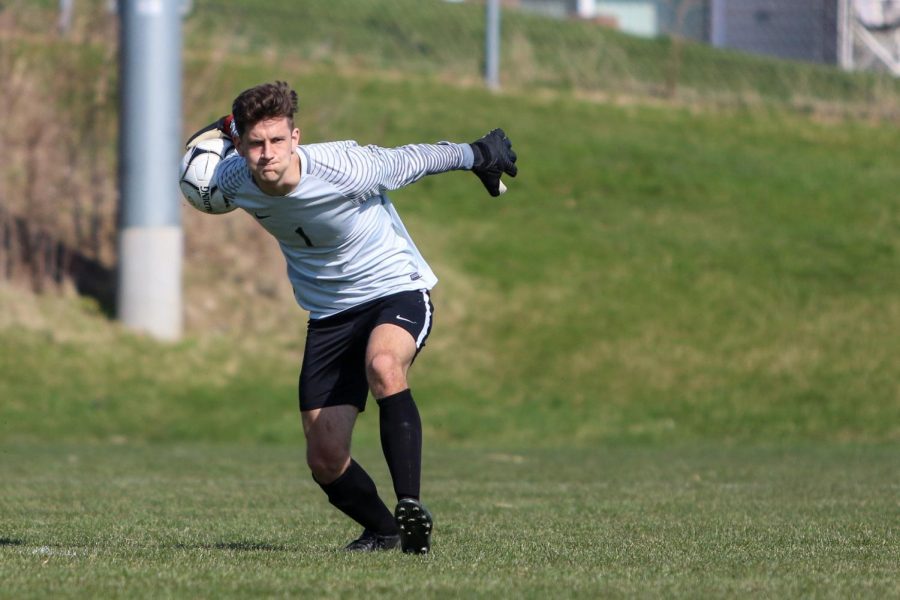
[(342, 239)]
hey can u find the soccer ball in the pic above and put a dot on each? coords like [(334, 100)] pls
[(197, 169)]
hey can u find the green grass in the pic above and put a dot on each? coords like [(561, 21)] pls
[(652, 275), (238, 521), (663, 364), (441, 39), (446, 41)]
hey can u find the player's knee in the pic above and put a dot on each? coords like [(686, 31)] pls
[(385, 373), (383, 365), (327, 462)]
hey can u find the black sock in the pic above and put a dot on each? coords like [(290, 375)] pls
[(401, 441), (354, 494)]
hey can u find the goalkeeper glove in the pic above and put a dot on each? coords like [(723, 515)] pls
[(494, 156), (223, 128)]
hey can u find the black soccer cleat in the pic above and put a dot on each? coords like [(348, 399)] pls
[(373, 542), (415, 525)]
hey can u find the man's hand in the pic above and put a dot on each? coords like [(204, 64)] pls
[(494, 156), (222, 128)]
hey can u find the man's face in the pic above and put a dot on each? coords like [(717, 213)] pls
[(268, 147)]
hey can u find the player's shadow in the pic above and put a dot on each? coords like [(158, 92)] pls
[(239, 546), (250, 547), (4, 541)]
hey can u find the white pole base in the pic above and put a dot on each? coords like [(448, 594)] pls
[(149, 288)]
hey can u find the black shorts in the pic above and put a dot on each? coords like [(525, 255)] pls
[(334, 361)]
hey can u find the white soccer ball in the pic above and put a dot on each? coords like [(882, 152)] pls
[(197, 169)]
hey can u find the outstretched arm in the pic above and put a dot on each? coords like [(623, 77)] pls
[(361, 172)]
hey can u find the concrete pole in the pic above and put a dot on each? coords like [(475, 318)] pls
[(492, 45), (150, 237)]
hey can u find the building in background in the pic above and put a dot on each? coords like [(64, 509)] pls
[(645, 18), (795, 29), (854, 34)]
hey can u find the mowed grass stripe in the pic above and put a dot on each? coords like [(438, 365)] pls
[(232, 521)]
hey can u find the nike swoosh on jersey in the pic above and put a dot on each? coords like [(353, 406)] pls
[(405, 319), (261, 217)]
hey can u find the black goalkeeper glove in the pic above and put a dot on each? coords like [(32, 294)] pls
[(494, 156), (223, 128)]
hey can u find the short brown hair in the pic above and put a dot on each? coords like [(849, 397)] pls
[(266, 101)]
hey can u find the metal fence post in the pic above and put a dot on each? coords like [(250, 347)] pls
[(492, 45), (150, 236)]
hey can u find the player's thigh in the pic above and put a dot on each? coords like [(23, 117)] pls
[(333, 372), (401, 329), (391, 345), (330, 427)]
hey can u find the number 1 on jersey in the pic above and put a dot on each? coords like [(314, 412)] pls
[(305, 237)]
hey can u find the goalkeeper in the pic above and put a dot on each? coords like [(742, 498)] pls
[(354, 267)]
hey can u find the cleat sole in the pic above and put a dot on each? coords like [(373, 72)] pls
[(415, 524)]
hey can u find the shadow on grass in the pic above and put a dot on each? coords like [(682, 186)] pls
[(11, 542), (43, 260), (249, 547), (235, 546)]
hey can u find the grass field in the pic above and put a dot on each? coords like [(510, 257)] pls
[(246, 521), (665, 364)]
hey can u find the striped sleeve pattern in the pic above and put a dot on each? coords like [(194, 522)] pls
[(231, 174), (360, 172)]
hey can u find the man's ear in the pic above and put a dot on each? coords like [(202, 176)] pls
[(240, 148), (295, 136)]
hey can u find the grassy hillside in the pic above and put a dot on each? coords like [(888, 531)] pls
[(446, 40), (653, 274)]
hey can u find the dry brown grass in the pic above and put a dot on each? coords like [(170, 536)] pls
[(235, 277), (58, 185)]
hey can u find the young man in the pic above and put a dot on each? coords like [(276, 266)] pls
[(354, 267)]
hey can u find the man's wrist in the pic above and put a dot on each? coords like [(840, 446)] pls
[(471, 156)]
